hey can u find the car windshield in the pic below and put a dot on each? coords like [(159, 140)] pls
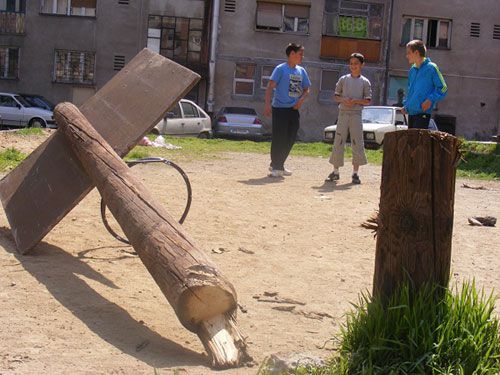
[(21, 100), (377, 116), (240, 111), (42, 102)]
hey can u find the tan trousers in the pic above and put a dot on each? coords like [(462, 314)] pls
[(349, 123)]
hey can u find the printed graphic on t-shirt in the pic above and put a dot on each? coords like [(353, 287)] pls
[(295, 88)]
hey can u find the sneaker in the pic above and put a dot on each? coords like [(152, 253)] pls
[(276, 173), (286, 172), (334, 176), (355, 179)]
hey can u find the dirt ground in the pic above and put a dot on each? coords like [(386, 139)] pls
[(83, 303)]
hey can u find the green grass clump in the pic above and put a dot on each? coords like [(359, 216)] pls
[(431, 332), (10, 158), (30, 131)]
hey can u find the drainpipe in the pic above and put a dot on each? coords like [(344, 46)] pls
[(388, 53), (213, 51)]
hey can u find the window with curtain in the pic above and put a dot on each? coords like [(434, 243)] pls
[(282, 17)]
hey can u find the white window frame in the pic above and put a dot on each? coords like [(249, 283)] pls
[(425, 27), (295, 23), (245, 80), (68, 9), (262, 76), (5, 73)]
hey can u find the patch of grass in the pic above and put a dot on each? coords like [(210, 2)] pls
[(479, 160), (10, 158), (30, 131), (433, 331)]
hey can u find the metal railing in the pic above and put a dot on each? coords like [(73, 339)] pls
[(12, 22)]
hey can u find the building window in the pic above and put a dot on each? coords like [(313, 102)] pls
[(435, 32), (282, 17), (17, 6), (74, 67), (266, 76), (329, 80), (244, 79), (69, 7), (353, 19), (177, 38), (475, 29), (9, 63)]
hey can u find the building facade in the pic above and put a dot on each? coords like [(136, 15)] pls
[(253, 36), (67, 49), (463, 38)]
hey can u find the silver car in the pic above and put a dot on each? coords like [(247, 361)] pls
[(186, 118), (17, 112), (239, 122)]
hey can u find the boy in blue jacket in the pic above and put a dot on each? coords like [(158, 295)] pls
[(426, 86)]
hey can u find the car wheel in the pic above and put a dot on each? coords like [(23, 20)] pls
[(36, 123), (203, 135), (155, 131)]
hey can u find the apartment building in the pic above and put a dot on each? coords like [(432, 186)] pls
[(463, 38), (253, 35), (67, 49)]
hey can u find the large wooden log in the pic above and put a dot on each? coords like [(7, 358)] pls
[(415, 220), (203, 299)]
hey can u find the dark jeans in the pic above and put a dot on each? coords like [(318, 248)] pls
[(419, 121), (286, 122)]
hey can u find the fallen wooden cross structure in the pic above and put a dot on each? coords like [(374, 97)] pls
[(56, 176), (50, 182)]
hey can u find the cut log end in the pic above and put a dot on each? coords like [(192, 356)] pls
[(202, 303), (223, 342)]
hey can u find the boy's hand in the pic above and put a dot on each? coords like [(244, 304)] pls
[(426, 105), (349, 102), (298, 105), (403, 111)]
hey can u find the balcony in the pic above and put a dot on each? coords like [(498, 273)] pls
[(333, 47), (12, 22)]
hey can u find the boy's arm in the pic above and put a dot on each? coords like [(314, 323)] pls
[(269, 92), (338, 96), (440, 87), (303, 97)]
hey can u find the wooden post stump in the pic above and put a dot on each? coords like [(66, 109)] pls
[(415, 220), (203, 299)]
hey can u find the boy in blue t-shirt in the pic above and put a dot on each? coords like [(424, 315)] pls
[(291, 84)]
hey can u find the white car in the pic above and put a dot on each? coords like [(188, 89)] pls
[(185, 118), (15, 111), (377, 120)]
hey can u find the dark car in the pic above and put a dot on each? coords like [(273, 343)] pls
[(239, 122), (38, 101)]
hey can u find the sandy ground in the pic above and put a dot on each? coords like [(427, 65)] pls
[(83, 303)]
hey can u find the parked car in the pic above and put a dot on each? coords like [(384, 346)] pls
[(15, 111), (377, 120), (185, 118), (239, 122), (38, 101)]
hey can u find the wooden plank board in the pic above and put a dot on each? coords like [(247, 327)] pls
[(50, 182)]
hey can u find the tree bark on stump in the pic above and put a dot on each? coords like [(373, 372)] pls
[(204, 300), (415, 220)]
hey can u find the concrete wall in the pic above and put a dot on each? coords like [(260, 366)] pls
[(239, 41), (175, 8), (470, 67), (116, 29)]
